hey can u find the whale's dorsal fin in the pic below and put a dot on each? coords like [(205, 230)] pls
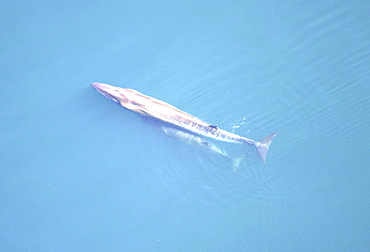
[(213, 126)]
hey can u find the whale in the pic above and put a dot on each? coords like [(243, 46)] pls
[(164, 112), (201, 143)]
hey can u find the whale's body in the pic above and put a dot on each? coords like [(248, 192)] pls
[(149, 106)]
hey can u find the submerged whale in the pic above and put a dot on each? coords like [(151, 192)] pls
[(202, 143), (162, 111)]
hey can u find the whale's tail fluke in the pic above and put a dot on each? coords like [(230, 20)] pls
[(263, 146)]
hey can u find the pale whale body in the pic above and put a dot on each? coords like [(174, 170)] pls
[(194, 140), (200, 142), (148, 106)]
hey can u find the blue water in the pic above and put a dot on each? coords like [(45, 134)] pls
[(79, 173)]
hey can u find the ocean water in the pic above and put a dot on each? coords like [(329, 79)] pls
[(79, 173)]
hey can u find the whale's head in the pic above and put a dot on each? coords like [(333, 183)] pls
[(111, 92), (127, 98)]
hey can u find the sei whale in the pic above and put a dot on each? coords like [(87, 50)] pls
[(162, 111)]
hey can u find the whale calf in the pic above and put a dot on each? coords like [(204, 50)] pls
[(200, 142), (162, 111)]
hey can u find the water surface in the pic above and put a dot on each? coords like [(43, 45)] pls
[(79, 173)]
